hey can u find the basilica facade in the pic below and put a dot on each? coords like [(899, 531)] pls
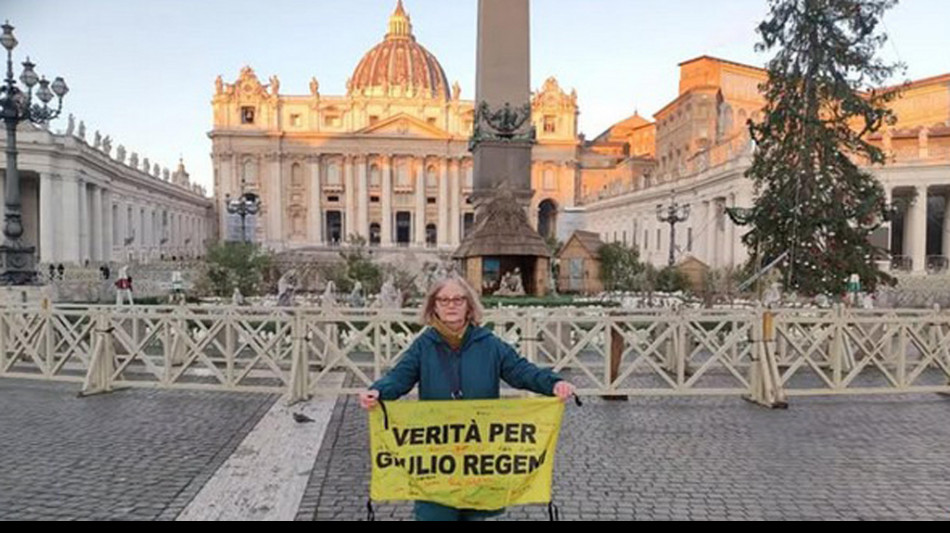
[(388, 161)]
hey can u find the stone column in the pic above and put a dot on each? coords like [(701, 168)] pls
[(167, 233), (48, 215), (915, 237), (698, 220), (68, 225), (160, 232), (108, 226), (221, 191), (97, 224), (227, 175), (349, 184), (83, 222), (386, 226), (123, 225), (148, 239), (276, 208), (420, 217), (443, 228), (362, 200), (141, 223), (138, 222), (153, 221), (192, 234), (455, 202), (314, 210)]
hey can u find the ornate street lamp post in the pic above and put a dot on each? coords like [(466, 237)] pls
[(672, 214), (17, 106), (247, 204)]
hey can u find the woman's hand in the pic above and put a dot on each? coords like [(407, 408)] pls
[(369, 399), (564, 390)]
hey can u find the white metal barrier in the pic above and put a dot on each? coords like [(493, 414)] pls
[(763, 355)]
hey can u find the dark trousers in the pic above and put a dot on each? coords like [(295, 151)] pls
[(433, 512)]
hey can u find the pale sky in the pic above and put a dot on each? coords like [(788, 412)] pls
[(143, 71)]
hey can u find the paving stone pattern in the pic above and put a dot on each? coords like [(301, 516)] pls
[(132, 455), (841, 458)]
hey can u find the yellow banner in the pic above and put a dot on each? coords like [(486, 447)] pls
[(482, 455)]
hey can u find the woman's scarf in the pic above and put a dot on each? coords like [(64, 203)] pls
[(453, 338)]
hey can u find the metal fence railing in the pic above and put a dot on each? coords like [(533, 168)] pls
[(757, 353)]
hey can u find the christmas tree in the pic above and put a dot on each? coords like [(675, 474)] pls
[(814, 203)]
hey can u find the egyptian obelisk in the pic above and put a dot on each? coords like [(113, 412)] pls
[(503, 246), (503, 90)]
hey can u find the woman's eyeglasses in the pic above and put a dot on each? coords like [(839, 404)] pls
[(454, 302)]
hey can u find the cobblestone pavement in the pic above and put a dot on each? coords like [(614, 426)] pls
[(131, 455), (143, 454), (868, 458)]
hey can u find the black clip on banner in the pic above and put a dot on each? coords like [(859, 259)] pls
[(382, 404)]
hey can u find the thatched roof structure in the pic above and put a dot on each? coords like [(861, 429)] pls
[(503, 230)]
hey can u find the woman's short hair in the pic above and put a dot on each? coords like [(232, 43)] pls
[(475, 310)]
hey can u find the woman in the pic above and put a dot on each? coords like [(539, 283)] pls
[(455, 358)]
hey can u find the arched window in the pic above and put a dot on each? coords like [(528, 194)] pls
[(547, 219), (726, 118), (375, 233), (432, 177), (296, 175), (432, 235)]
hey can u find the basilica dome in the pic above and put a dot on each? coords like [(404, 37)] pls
[(399, 66)]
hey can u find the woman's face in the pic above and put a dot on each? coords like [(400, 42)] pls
[(451, 306)]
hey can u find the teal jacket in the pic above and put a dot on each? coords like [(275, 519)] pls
[(477, 368)]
